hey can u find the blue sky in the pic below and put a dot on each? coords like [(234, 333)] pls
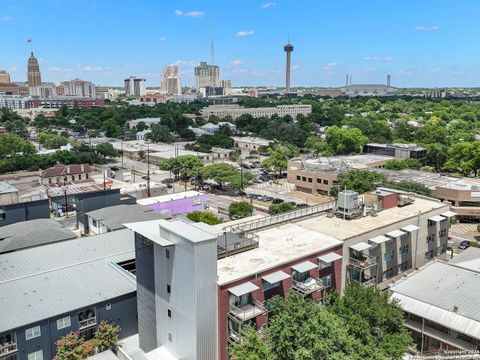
[(419, 42)]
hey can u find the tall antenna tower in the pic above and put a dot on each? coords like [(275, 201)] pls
[(212, 44)]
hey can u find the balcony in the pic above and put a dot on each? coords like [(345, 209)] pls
[(7, 348), (82, 324), (365, 281), (363, 261), (308, 286), (247, 311)]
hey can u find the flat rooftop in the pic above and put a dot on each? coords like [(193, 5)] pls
[(346, 229), (430, 180), (279, 245), (6, 188), (169, 197)]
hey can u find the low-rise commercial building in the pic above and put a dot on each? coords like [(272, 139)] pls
[(319, 176), (60, 174), (50, 290), (368, 90), (176, 203), (440, 303), (248, 143), (398, 151), (235, 111), (8, 194)]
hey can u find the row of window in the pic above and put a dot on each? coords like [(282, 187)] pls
[(387, 274), (326, 281), (310, 180), (50, 180)]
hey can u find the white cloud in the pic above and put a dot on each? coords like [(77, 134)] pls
[(162, 38), (93, 68), (295, 67), (6, 18), (245, 33), (57, 69), (12, 68), (379, 58), (268, 5), (427, 28), (329, 67), (189, 13), (236, 62)]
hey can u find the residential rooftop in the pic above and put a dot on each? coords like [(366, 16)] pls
[(430, 180), (42, 282), (32, 233), (6, 188), (445, 294), (113, 217), (468, 259)]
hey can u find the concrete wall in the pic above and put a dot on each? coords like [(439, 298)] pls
[(122, 312), (94, 201)]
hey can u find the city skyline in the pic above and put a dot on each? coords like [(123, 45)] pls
[(429, 44)]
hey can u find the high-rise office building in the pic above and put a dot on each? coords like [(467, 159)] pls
[(135, 86), (34, 76), (207, 75), (4, 77), (226, 85), (288, 50), (170, 83), (79, 88)]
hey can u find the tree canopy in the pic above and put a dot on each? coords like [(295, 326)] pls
[(206, 217)]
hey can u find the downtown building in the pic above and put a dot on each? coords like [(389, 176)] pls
[(206, 76), (235, 111), (134, 86), (79, 88), (170, 84)]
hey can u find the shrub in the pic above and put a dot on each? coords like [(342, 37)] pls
[(206, 217), (240, 209), (280, 208)]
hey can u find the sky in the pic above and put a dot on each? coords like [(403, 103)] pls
[(421, 43)]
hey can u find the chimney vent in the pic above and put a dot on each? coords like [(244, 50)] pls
[(455, 308)]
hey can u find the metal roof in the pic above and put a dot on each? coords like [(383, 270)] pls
[(32, 233), (118, 245), (435, 290), (410, 228), (360, 246), (379, 239), (468, 259), (275, 277), (243, 289), (6, 188), (53, 279), (437, 218), (395, 233), (330, 257), (304, 266)]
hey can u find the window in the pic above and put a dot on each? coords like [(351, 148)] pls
[(298, 177), (431, 223), (325, 182), (169, 313), (267, 286), (108, 306), (94, 222), (404, 249), (327, 281), (79, 176), (429, 255), (430, 238), (170, 337), (319, 181), (304, 178), (403, 267), (441, 250), (388, 256), (310, 180), (387, 274), (33, 333), (73, 177), (37, 355), (63, 322), (3, 215), (167, 253), (442, 233), (168, 289), (86, 176)]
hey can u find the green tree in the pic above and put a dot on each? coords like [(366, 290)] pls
[(184, 166), (206, 217), (374, 320), (252, 347), (12, 144), (345, 141), (106, 335), (437, 155), (70, 347), (318, 146), (360, 181), (279, 156), (403, 164), (283, 207), (240, 209), (106, 149), (221, 173), (111, 128), (51, 141), (160, 133), (464, 157)]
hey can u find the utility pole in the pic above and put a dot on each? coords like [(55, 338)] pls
[(241, 174), (148, 171), (65, 199), (121, 145)]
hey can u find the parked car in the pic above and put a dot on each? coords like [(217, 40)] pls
[(145, 177), (293, 203), (277, 201), (302, 205), (268, 198), (465, 244)]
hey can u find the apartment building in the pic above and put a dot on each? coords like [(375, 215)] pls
[(206, 76), (235, 111), (440, 305), (14, 102), (50, 290), (135, 86), (319, 176), (79, 88)]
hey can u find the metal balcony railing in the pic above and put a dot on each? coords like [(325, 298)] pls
[(366, 281), (7, 348), (87, 322), (247, 311), (307, 288), (363, 262)]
